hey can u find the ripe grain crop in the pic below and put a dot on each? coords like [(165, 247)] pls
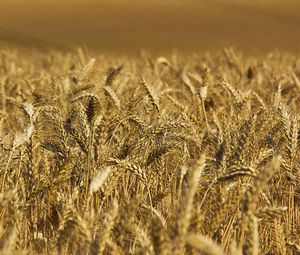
[(184, 154)]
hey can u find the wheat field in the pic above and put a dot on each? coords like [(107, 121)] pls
[(176, 154)]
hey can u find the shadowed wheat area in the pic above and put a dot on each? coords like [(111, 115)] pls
[(183, 154)]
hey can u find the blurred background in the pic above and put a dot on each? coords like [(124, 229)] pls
[(155, 25)]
